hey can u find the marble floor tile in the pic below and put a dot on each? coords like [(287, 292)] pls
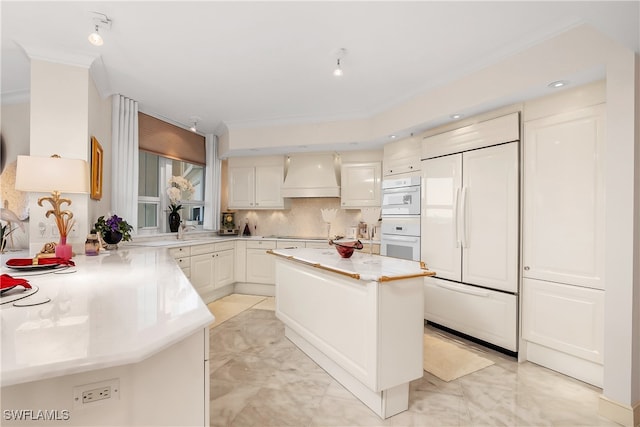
[(260, 378), (231, 305)]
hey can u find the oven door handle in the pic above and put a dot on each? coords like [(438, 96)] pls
[(412, 189), (386, 237)]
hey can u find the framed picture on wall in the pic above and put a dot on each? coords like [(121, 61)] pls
[(96, 169)]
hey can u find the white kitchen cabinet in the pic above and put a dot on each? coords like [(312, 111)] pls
[(256, 187), (401, 157), (212, 266), (563, 240), (260, 264), (563, 227), (182, 256), (566, 318), (360, 185)]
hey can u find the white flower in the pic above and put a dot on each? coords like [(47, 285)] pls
[(179, 187)]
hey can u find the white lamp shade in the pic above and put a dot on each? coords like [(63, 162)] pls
[(49, 174)]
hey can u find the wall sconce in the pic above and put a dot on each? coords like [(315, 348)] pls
[(340, 53), (56, 175)]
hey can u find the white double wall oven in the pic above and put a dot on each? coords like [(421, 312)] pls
[(400, 230)]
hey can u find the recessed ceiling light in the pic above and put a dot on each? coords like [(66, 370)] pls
[(558, 84), (456, 116), (392, 136)]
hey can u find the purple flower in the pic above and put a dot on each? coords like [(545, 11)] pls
[(114, 222)]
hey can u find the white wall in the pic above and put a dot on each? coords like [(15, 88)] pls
[(100, 128)]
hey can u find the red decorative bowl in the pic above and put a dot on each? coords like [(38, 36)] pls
[(345, 249)]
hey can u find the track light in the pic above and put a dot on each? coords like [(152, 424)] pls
[(339, 54), (95, 38), (194, 123), (100, 20)]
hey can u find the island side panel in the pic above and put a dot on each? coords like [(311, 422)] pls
[(334, 313), (401, 330)]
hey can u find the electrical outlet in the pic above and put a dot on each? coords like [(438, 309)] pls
[(88, 394), (96, 394)]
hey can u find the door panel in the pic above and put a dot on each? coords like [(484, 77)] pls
[(440, 248), (489, 210), (564, 198)]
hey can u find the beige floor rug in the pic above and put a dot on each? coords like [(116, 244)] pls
[(234, 304), (449, 361)]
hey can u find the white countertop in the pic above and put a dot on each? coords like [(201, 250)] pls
[(117, 308), (170, 241), (361, 266)]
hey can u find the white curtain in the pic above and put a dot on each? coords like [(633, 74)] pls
[(212, 185), (124, 161)]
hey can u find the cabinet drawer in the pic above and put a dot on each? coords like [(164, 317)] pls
[(183, 262), (202, 249), (180, 252), (224, 246), (261, 244), (481, 313)]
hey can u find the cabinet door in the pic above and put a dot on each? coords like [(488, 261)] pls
[(268, 182), (241, 187), (489, 211), (360, 184), (260, 267), (440, 238), (223, 268), (563, 230), (201, 272)]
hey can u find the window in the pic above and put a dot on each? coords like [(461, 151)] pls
[(153, 202)]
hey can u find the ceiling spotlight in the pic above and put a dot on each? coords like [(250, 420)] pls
[(558, 84), (340, 53), (95, 38), (456, 116), (99, 21), (194, 123)]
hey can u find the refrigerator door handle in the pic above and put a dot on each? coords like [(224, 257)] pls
[(464, 217), (456, 223)]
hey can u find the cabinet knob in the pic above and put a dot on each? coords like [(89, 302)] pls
[(257, 203), (526, 268), (410, 167)]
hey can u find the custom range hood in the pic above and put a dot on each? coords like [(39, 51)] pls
[(312, 175)]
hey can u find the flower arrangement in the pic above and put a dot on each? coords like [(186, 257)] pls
[(113, 224), (178, 187)]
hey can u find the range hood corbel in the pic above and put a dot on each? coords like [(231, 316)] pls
[(312, 175)]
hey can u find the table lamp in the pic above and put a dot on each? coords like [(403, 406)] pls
[(56, 175)]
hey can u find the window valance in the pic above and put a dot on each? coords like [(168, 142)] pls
[(164, 139)]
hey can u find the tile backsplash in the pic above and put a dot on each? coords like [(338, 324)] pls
[(304, 219)]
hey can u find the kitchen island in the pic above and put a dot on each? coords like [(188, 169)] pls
[(361, 319), (123, 341)]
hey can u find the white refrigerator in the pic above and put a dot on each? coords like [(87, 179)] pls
[(470, 238)]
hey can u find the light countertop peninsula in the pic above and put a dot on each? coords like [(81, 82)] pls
[(360, 265), (117, 308)]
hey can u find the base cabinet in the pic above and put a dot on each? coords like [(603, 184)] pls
[(260, 264), (563, 327), (212, 267)]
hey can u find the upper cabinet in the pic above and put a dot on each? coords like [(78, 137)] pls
[(256, 186), (360, 184), (402, 156), (564, 198)]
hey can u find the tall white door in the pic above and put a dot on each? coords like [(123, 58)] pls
[(440, 239), (564, 198), (489, 217)]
